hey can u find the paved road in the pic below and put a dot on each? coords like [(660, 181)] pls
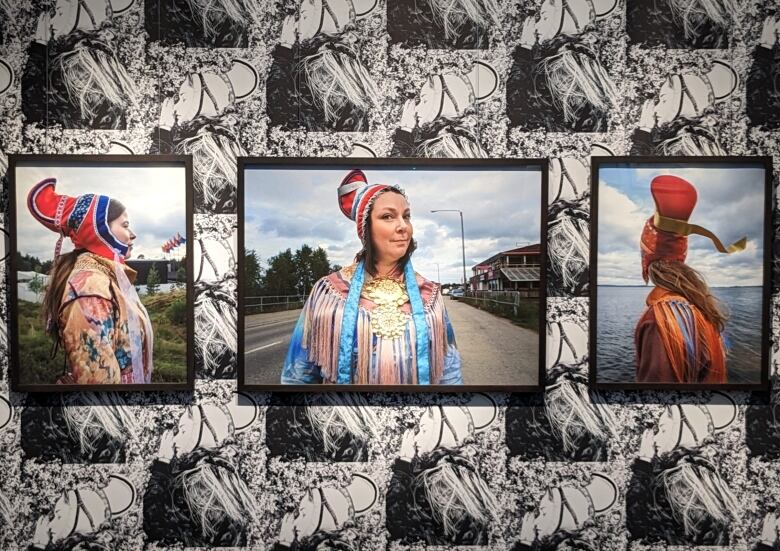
[(493, 350), (266, 339)]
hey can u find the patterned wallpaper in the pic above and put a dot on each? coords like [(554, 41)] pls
[(562, 79)]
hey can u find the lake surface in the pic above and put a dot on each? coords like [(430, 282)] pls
[(619, 309)]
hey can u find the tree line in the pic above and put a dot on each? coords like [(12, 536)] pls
[(288, 272)]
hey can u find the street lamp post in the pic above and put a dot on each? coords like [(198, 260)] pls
[(438, 273), (462, 239)]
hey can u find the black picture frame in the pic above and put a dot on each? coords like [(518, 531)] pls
[(597, 163), (58, 160), (389, 164)]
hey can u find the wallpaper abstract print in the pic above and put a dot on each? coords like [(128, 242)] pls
[(563, 79)]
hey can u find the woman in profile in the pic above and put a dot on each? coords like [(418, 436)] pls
[(678, 338), (91, 307), (375, 321)]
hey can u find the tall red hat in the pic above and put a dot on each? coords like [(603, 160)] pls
[(356, 196), (665, 234), (84, 219)]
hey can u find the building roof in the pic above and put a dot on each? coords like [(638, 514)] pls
[(529, 249), (520, 273)]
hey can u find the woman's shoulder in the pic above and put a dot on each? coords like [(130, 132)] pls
[(91, 276)]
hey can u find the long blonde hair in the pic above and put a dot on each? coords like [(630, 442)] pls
[(92, 74), (213, 162), (334, 416), (91, 416), (680, 278), (457, 493), (575, 413), (339, 82), (692, 14), (697, 494), (576, 78), (452, 15), (214, 491)]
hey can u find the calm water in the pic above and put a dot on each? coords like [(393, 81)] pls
[(619, 309)]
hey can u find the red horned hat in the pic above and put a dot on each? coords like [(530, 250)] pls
[(665, 234), (84, 219), (356, 196)]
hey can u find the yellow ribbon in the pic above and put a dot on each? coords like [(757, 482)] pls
[(681, 227)]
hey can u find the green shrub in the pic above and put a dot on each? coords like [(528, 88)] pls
[(177, 311)]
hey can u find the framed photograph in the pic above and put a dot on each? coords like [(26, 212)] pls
[(101, 279), (680, 272), (391, 274)]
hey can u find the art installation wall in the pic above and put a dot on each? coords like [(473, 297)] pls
[(562, 80)]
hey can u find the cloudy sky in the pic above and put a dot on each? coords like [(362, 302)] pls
[(501, 210), (154, 196), (730, 204)]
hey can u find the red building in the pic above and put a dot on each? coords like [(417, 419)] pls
[(513, 270)]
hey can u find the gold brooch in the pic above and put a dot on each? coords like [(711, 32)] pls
[(387, 321)]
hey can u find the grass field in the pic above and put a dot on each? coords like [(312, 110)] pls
[(168, 313)]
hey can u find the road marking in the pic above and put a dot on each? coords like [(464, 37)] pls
[(261, 347), (271, 323)]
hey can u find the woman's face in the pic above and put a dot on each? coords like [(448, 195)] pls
[(391, 227), (187, 431), (120, 227), (59, 523)]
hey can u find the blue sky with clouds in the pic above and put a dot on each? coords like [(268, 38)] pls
[(730, 204), (154, 197), (501, 210)]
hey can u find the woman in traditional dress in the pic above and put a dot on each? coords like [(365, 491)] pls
[(678, 338), (375, 321), (91, 308)]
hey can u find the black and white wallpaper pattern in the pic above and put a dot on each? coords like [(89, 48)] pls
[(562, 79)]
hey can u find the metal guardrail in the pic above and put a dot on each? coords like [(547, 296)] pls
[(510, 298), (276, 303)]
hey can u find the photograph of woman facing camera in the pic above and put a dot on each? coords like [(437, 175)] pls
[(393, 317)]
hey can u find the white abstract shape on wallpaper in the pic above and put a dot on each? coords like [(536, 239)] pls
[(6, 411), (6, 76), (243, 410), (120, 494), (688, 425), (568, 178), (214, 250), (569, 507), (84, 510), (329, 508), (484, 80), (117, 147), (567, 342), (361, 150), (448, 426), (244, 79), (483, 411)]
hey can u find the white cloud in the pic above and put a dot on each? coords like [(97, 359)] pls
[(501, 209), (154, 197)]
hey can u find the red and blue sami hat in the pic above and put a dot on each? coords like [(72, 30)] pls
[(84, 219), (356, 196)]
